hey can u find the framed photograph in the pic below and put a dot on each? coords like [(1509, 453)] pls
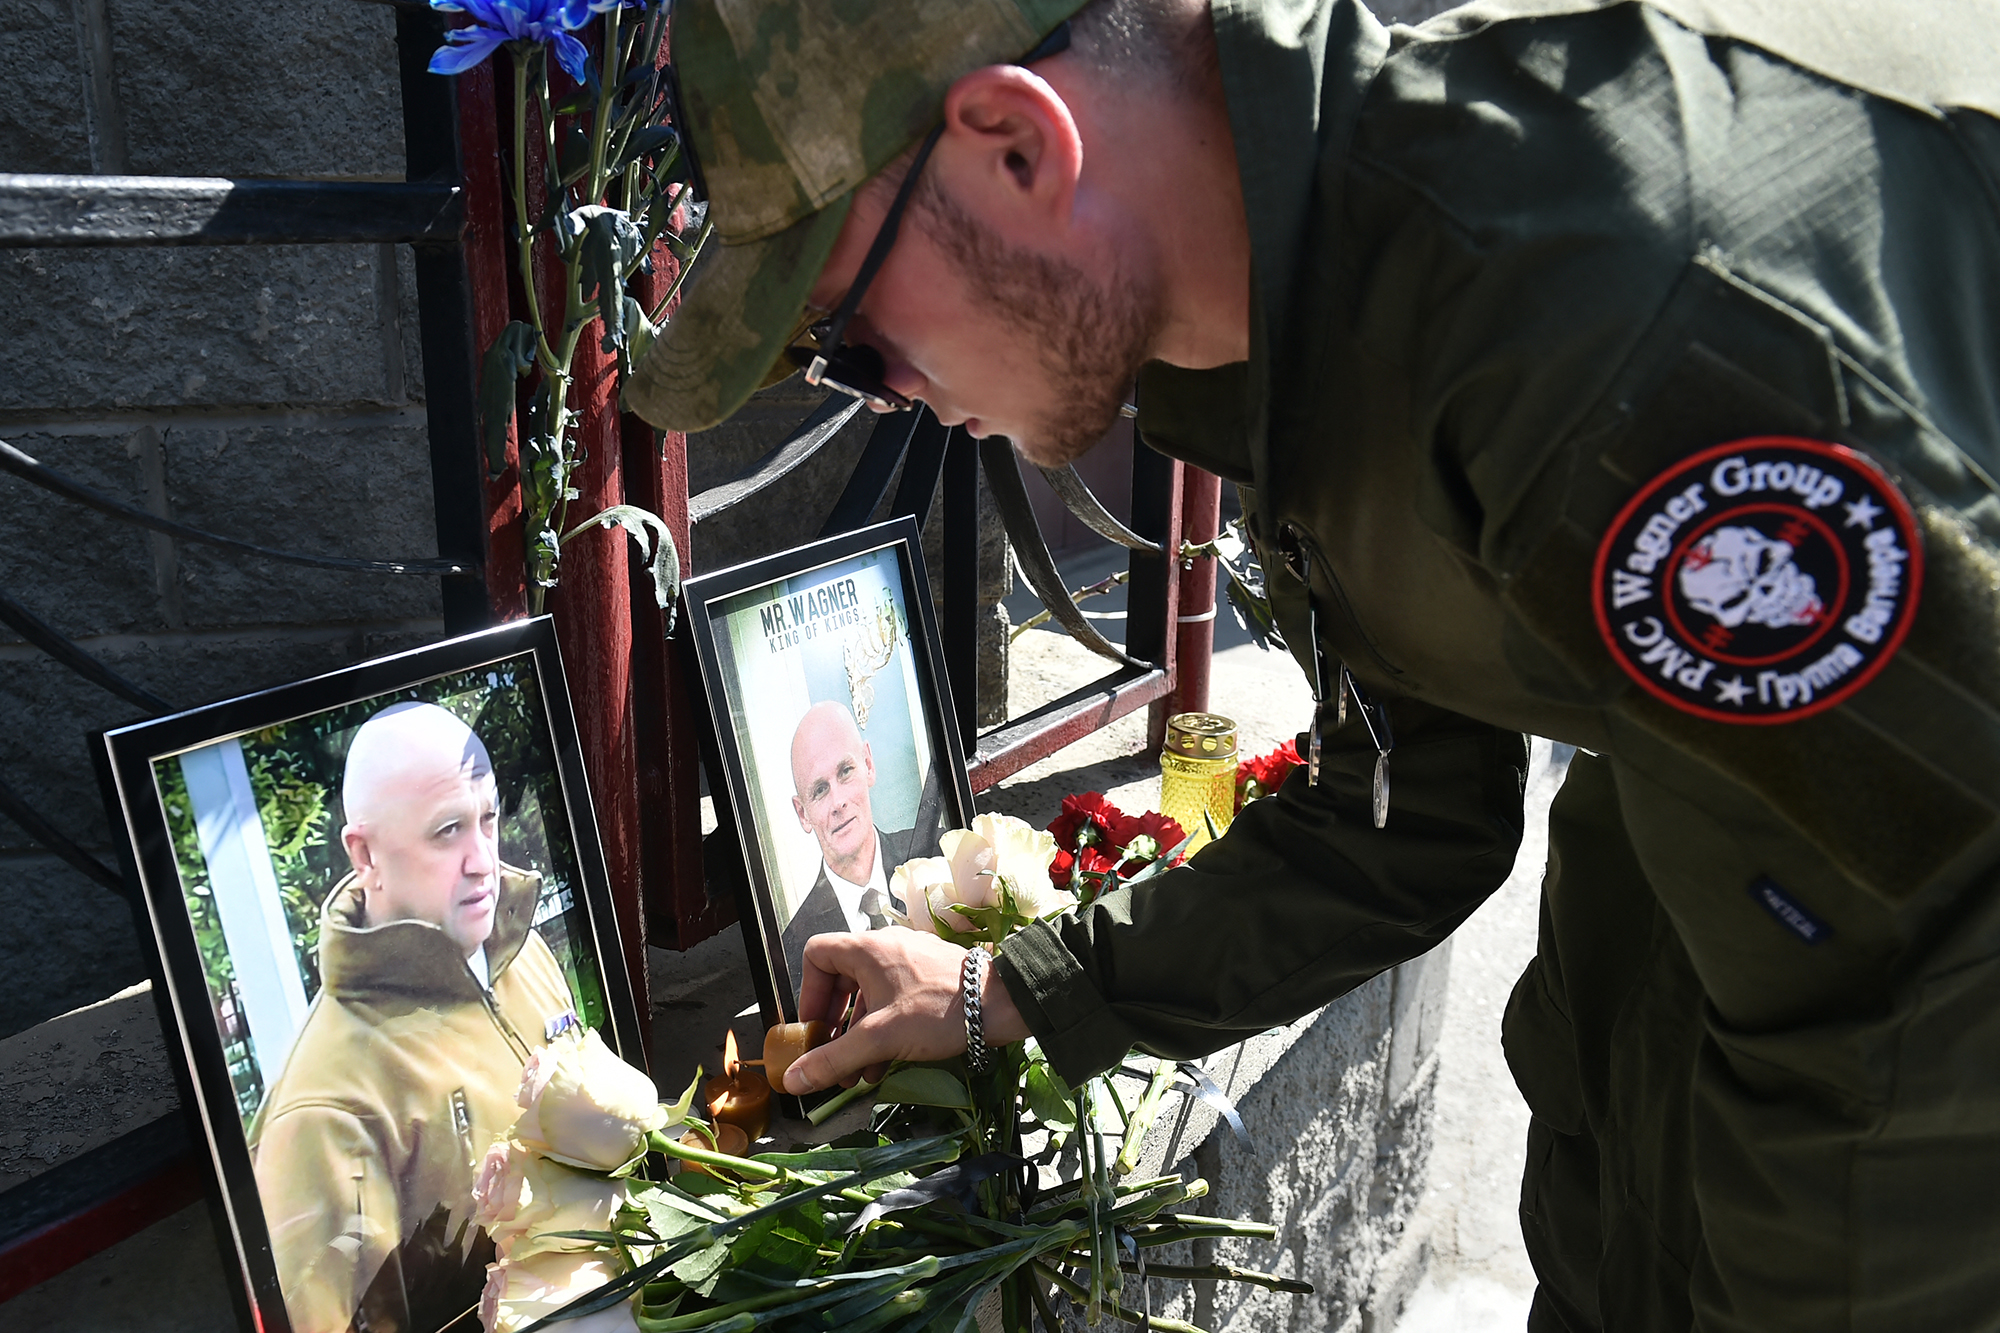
[(371, 897), (833, 724)]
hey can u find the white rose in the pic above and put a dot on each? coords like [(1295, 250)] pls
[(1022, 854), (522, 1289), (972, 865), (583, 1105), (520, 1197), (926, 887)]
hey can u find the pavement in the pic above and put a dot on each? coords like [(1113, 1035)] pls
[(1479, 1280)]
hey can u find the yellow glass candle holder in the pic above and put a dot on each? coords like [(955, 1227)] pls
[(1198, 774)]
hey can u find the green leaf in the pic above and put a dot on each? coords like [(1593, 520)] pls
[(1049, 1097), (656, 540), (511, 356), (836, 1161), (575, 155), (982, 920), (577, 102), (699, 1269), (646, 142), (780, 1251), (670, 1201), (606, 244), (923, 1086), (763, 1252)]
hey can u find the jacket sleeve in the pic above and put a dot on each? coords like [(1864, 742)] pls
[(331, 1209), (1302, 900)]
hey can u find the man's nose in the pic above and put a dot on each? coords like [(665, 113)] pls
[(482, 858)]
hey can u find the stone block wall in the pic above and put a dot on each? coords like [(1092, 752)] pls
[(1339, 1107), (269, 393)]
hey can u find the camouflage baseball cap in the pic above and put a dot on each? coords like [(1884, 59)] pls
[(789, 105)]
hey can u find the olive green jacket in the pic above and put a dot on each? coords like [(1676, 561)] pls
[(1509, 267), (402, 1076)]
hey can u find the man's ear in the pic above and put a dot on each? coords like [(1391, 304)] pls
[(1011, 153), (354, 837), (868, 761), (799, 809)]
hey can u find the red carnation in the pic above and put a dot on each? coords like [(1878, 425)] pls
[(1085, 821), (1147, 837), (1062, 868)]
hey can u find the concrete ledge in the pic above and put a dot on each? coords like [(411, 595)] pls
[(79, 1081)]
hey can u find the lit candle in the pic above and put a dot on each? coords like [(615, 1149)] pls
[(739, 1095), (786, 1042)]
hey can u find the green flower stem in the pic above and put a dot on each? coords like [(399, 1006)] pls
[(832, 1106), (740, 1324), (1059, 1196), (1039, 1290), (1117, 1311), (1142, 1207), (1124, 1116), (904, 1157), (1143, 1116), (523, 229), (660, 310), (1219, 1230), (1223, 1273), (741, 1166), (607, 88), (777, 1304), (1093, 1157)]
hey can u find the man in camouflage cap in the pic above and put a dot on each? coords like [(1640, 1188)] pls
[(1619, 371)]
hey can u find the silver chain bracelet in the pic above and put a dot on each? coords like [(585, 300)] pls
[(972, 980)]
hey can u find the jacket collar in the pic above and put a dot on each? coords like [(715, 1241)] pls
[(1294, 73), (416, 958)]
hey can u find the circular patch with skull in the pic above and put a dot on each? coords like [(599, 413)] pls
[(1759, 581)]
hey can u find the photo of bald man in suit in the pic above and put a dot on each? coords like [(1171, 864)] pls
[(833, 776)]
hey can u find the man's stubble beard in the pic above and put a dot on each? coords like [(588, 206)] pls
[(1091, 335)]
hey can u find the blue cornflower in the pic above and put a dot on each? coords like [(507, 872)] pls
[(497, 21)]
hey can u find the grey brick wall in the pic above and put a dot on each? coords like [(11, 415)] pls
[(270, 393)]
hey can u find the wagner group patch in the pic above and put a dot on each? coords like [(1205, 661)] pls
[(1760, 581)]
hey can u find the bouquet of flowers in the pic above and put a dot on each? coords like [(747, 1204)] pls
[(1099, 846), (937, 1208)]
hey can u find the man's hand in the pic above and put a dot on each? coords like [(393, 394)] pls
[(909, 1007)]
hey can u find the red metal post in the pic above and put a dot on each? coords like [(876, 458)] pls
[(1194, 606), (487, 267), (678, 910), (592, 604), (593, 611)]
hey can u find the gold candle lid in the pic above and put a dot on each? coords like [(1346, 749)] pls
[(1202, 735)]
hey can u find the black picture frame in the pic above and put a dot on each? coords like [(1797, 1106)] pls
[(536, 761), (914, 706)]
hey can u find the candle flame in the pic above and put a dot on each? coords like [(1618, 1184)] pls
[(729, 1060)]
